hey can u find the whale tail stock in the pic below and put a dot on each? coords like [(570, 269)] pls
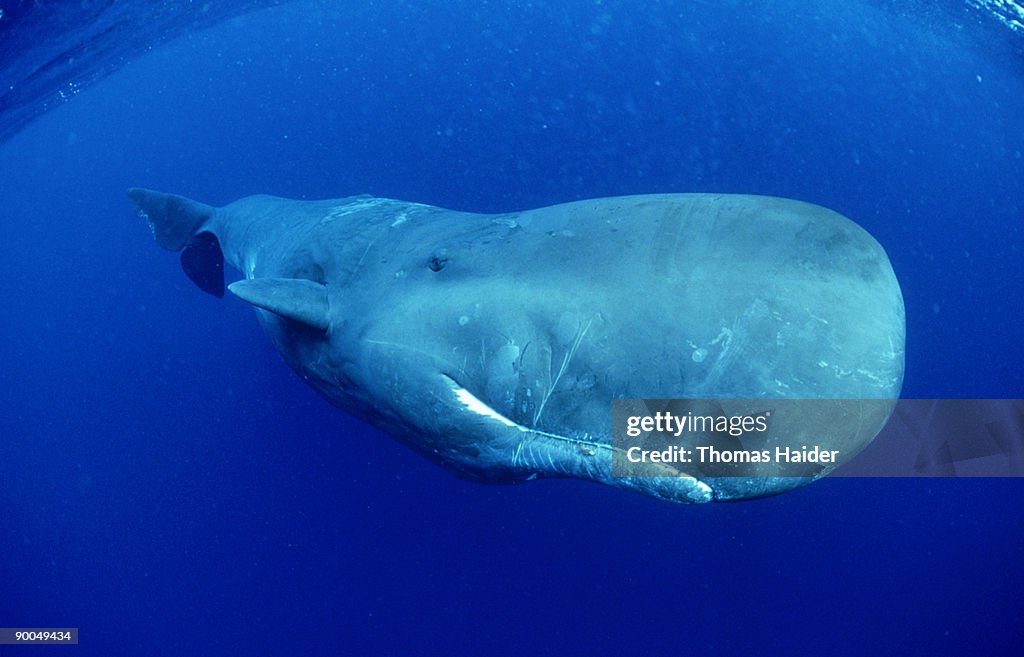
[(180, 224)]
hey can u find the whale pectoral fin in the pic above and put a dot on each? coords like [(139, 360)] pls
[(297, 299)]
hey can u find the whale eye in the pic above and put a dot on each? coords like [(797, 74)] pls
[(437, 262)]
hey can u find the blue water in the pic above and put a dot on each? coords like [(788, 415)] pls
[(171, 488)]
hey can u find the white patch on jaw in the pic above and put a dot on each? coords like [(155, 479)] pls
[(472, 403)]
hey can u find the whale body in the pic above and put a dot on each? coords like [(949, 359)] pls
[(495, 343)]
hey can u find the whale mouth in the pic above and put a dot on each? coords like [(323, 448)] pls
[(585, 456), (474, 404)]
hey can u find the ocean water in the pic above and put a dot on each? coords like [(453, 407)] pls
[(168, 486)]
